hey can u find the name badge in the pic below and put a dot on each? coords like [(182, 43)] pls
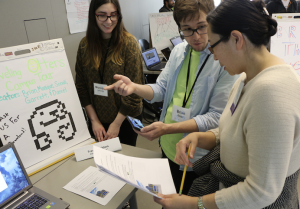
[(87, 152), (180, 114), (98, 90), (237, 97)]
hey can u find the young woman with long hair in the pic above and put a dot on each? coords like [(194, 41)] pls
[(106, 50)]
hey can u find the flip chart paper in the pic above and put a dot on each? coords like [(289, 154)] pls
[(162, 27), (77, 13), (40, 109), (285, 43)]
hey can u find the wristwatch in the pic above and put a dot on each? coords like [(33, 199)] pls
[(200, 203)]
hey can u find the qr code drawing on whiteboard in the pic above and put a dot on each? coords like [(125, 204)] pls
[(49, 123)]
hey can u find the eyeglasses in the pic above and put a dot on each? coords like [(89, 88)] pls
[(103, 18), (211, 48), (189, 32)]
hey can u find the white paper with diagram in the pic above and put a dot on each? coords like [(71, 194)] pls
[(150, 175), (162, 27), (94, 185)]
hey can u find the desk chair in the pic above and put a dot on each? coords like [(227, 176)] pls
[(144, 44)]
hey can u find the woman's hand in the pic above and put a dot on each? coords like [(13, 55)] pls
[(182, 147), (113, 131), (174, 201), (98, 130), (124, 86)]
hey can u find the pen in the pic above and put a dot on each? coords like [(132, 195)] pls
[(184, 172)]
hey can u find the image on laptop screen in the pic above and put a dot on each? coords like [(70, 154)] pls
[(150, 57), (12, 178)]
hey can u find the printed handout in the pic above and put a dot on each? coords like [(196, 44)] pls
[(94, 185), (150, 175)]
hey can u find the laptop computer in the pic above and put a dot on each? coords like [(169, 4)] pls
[(16, 189), (152, 60), (166, 53), (176, 40)]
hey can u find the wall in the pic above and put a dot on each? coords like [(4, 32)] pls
[(28, 21), (135, 14)]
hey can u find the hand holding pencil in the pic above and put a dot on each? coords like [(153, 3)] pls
[(188, 142), (184, 173)]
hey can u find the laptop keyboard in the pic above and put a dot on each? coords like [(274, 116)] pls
[(159, 66), (34, 202)]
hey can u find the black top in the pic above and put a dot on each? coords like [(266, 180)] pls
[(276, 6), (165, 9)]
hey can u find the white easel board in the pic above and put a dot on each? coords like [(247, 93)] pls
[(40, 109), (285, 43), (162, 28)]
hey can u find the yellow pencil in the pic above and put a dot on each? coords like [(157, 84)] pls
[(184, 172)]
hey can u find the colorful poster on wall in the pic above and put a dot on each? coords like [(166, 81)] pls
[(40, 109), (162, 27), (286, 42)]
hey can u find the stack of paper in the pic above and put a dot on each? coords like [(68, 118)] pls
[(150, 175)]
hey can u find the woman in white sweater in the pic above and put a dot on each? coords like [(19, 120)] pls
[(259, 130)]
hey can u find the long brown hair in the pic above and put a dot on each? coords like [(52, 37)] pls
[(94, 41)]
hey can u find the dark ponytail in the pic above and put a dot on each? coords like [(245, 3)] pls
[(249, 17)]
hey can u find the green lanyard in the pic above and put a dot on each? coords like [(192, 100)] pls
[(187, 79)]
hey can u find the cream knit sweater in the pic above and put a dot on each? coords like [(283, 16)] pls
[(261, 140)]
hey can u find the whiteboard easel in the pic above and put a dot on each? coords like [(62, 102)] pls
[(162, 28), (40, 109)]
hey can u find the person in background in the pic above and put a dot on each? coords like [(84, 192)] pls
[(193, 86), (106, 50), (257, 144), (281, 6), (168, 6)]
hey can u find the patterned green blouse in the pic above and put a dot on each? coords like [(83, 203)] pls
[(107, 108)]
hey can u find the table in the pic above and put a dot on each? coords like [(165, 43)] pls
[(146, 71), (156, 72), (54, 178)]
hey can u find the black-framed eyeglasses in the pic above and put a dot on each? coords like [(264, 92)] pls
[(211, 48), (189, 32), (103, 18)]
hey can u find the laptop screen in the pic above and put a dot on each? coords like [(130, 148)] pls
[(151, 57), (12, 177), (176, 40)]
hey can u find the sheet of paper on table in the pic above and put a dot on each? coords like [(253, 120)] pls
[(150, 175), (94, 185)]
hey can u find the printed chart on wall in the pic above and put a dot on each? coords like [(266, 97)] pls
[(162, 27), (40, 110), (77, 13), (286, 42)]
